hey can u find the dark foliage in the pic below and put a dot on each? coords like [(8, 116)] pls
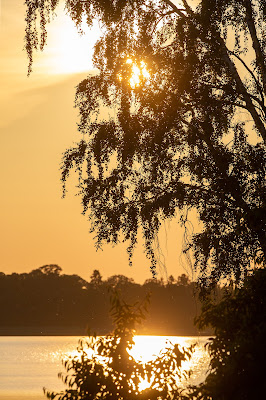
[(103, 368), (238, 350)]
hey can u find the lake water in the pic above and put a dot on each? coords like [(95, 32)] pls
[(30, 363)]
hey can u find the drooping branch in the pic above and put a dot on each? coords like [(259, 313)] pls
[(260, 60), (42, 11), (157, 22), (177, 10), (187, 7), (251, 73), (242, 89)]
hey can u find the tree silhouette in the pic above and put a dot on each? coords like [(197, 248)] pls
[(188, 84), (96, 278), (171, 280)]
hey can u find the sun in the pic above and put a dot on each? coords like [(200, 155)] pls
[(137, 75)]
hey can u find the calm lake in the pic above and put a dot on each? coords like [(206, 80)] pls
[(30, 363)]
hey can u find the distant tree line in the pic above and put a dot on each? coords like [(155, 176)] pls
[(46, 301)]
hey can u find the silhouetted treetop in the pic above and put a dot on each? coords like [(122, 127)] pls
[(183, 279), (188, 85), (50, 269), (96, 277), (118, 280)]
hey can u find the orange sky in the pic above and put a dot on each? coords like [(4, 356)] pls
[(37, 124)]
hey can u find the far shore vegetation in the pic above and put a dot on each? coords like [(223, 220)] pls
[(48, 302)]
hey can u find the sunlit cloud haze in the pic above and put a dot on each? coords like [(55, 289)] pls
[(38, 122)]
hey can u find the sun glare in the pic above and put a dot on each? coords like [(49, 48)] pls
[(67, 51), (147, 348), (139, 73)]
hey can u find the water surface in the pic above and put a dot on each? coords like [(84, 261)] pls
[(32, 362)]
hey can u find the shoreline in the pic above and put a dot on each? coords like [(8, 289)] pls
[(194, 334), (84, 331)]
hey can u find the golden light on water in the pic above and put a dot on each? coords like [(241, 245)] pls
[(147, 348)]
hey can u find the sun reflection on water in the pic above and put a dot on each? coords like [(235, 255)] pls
[(147, 348)]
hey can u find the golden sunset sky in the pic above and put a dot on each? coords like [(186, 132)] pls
[(38, 122)]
